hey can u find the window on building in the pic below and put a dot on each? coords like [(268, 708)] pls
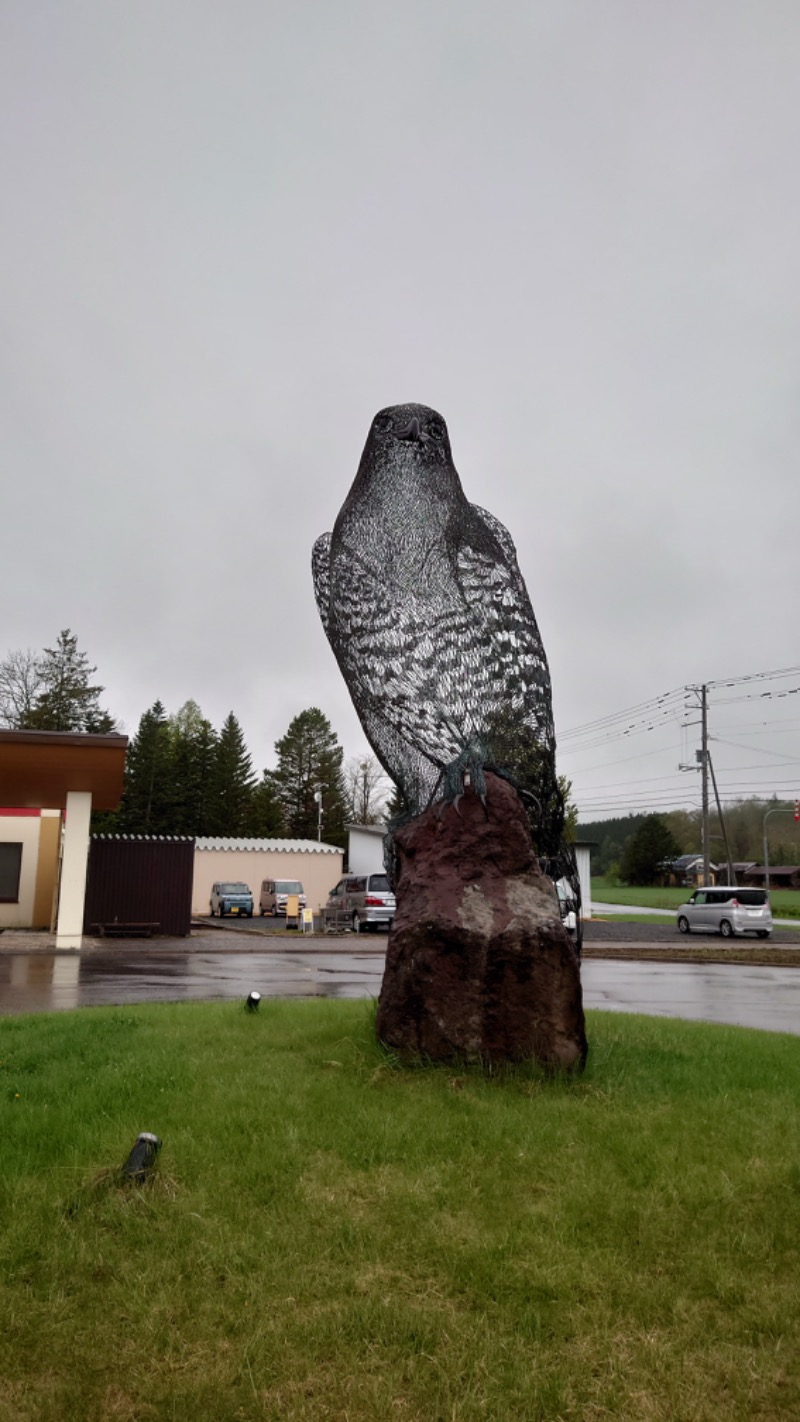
[(10, 866)]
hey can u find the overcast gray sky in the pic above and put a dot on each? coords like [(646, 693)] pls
[(233, 232)]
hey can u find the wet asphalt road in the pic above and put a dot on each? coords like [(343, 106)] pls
[(217, 966)]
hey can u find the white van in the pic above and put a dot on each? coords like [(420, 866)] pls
[(275, 892), (726, 910)]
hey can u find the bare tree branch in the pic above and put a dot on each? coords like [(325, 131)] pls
[(21, 681), (367, 789)]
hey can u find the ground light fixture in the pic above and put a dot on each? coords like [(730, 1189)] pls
[(142, 1158), (253, 1000)]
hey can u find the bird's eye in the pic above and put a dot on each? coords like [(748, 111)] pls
[(436, 429), (382, 422)]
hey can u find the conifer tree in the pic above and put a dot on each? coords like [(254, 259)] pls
[(310, 757), (264, 818), (194, 751), (66, 700), (148, 796), (649, 847), (232, 782)]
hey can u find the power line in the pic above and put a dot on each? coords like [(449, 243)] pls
[(755, 750), (756, 676), (640, 709), (757, 696), (638, 712), (642, 755)]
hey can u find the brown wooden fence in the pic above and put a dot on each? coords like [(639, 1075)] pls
[(139, 885)]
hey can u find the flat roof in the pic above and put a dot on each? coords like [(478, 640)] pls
[(38, 768)]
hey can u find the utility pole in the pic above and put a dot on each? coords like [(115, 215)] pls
[(701, 758), (704, 769), (731, 874)]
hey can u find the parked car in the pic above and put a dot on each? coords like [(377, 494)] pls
[(726, 910), (366, 899), (566, 904), (231, 898), (275, 892)]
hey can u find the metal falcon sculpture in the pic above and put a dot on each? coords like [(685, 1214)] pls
[(429, 618)]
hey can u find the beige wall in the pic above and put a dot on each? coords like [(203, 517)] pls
[(317, 872), (24, 830), (44, 899)]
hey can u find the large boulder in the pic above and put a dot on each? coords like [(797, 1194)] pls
[(479, 965)]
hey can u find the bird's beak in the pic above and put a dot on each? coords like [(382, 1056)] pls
[(412, 431)]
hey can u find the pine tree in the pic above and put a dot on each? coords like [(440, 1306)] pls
[(148, 796), (232, 782), (66, 700), (265, 815), (310, 759), (648, 848), (194, 751)]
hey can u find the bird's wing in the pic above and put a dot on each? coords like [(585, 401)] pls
[(321, 572), (505, 634), (389, 654)]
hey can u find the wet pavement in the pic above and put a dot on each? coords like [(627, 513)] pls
[(44, 982), (743, 995), (739, 994)]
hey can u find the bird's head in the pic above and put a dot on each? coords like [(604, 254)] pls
[(410, 436), (406, 474)]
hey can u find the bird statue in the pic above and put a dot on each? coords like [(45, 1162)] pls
[(428, 616)]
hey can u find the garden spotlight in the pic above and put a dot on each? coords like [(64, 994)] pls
[(253, 1000), (143, 1157)]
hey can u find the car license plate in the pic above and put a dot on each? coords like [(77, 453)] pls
[(234, 909)]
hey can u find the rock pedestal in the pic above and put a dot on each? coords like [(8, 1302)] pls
[(479, 965)]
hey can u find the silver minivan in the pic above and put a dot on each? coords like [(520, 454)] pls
[(366, 899), (726, 910)]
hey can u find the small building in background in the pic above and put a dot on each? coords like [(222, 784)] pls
[(316, 865), (70, 771), (365, 848), (686, 871), (781, 876)]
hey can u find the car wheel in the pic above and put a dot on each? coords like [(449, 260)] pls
[(356, 923), (683, 925), (725, 929)]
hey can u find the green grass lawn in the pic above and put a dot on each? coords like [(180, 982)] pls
[(332, 1237), (785, 902)]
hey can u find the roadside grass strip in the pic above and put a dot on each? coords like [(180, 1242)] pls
[(785, 902), (328, 1235)]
